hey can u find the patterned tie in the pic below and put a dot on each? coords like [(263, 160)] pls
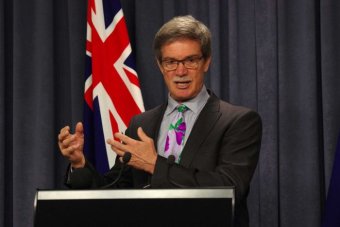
[(175, 138)]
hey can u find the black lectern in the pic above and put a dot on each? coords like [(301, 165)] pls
[(134, 207)]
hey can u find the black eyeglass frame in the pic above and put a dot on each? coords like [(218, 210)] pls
[(191, 62)]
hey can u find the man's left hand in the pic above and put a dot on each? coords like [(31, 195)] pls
[(143, 152)]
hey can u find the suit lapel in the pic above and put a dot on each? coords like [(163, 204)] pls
[(154, 126), (201, 129)]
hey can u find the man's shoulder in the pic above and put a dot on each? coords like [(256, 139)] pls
[(231, 110), (227, 106)]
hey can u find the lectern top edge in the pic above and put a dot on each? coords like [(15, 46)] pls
[(135, 194)]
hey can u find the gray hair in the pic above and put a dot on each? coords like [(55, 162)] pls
[(183, 27)]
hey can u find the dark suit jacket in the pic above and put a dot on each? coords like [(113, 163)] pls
[(222, 150)]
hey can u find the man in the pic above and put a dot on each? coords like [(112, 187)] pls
[(212, 143)]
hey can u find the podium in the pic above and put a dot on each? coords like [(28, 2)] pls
[(134, 207)]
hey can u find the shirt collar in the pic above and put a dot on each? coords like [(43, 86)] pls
[(194, 104)]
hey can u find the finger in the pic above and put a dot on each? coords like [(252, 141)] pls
[(124, 138), (63, 137), (64, 132), (141, 134), (119, 152), (70, 141), (68, 151), (117, 147), (79, 128), (66, 128)]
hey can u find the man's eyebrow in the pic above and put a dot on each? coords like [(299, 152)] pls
[(174, 59)]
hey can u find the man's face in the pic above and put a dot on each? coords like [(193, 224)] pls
[(183, 83)]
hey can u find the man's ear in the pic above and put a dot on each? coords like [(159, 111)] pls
[(160, 66), (206, 64)]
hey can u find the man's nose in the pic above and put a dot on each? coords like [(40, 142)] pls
[(181, 69)]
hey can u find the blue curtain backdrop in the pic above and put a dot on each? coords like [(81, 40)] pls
[(280, 57)]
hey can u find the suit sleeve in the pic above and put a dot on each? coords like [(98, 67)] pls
[(88, 177)]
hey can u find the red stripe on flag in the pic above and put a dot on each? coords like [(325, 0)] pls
[(132, 77), (88, 46), (88, 97)]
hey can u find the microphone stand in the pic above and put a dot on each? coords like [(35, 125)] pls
[(126, 159)]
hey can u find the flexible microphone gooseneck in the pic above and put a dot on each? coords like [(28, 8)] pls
[(171, 161), (126, 158)]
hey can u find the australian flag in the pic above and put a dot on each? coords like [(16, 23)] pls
[(332, 209), (112, 92)]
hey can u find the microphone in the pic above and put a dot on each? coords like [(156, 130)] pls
[(81, 178), (171, 161), (126, 158)]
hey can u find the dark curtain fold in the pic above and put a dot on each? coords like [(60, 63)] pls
[(6, 176), (278, 57), (298, 106), (2, 110)]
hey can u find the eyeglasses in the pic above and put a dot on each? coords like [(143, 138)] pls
[(189, 63)]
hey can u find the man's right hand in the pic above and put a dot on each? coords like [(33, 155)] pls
[(72, 145)]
